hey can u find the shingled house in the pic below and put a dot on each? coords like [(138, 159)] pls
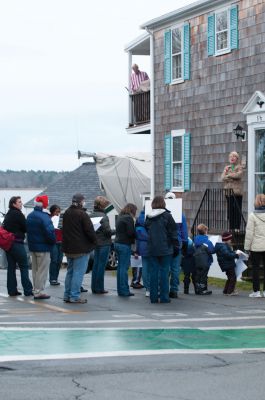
[(207, 79), (83, 180)]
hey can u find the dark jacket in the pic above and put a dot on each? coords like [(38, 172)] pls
[(125, 232), (40, 231), (225, 256), (141, 235), (162, 233), (188, 261), (79, 236), (15, 222), (104, 232), (203, 239)]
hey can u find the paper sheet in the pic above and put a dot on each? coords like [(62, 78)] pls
[(136, 262), (96, 222), (240, 268)]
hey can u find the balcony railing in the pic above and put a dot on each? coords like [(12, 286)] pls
[(140, 108)]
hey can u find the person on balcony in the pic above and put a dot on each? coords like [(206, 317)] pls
[(232, 178), (137, 77)]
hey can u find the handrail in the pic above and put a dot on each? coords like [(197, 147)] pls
[(220, 211)]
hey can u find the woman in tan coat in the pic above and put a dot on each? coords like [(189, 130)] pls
[(232, 178), (255, 243)]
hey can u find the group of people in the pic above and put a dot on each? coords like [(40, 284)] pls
[(162, 245)]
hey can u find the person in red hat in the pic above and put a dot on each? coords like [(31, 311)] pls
[(41, 237)]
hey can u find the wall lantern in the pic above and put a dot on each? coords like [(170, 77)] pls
[(238, 131)]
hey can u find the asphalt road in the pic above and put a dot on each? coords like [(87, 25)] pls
[(196, 347)]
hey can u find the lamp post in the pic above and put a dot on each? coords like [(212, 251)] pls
[(238, 131)]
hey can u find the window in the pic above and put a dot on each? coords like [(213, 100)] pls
[(260, 161), (177, 54), (177, 161), (223, 31)]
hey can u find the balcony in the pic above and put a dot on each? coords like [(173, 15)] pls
[(139, 103), (139, 110)]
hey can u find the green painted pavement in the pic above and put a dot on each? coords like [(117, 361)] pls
[(47, 342)]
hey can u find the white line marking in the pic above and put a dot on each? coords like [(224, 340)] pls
[(226, 328), (127, 316), (92, 322), (173, 314), (212, 319), (211, 313), (127, 354), (251, 311)]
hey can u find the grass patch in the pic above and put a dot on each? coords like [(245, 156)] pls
[(218, 282)]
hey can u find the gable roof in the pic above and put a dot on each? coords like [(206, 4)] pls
[(83, 180), (255, 103), (185, 12)]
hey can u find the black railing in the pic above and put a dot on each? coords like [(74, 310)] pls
[(220, 210), (140, 108)]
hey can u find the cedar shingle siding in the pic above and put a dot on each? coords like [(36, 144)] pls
[(209, 104)]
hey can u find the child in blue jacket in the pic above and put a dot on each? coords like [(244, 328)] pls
[(188, 266), (226, 259), (203, 259)]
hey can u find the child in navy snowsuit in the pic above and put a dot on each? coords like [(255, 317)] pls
[(188, 266), (226, 259), (203, 259)]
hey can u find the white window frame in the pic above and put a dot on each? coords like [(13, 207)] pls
[(228, 49), (181, 79), (255, 147), (175, 133)]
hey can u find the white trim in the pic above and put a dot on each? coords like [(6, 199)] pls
[(177, 133), (178, 80), (228, 48), (139, 128)]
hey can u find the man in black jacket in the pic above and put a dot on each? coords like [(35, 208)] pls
[(79, 239), (15, 222)]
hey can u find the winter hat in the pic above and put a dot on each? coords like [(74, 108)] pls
[(170, 195), (226, 236), (78, 198), (42, 201)]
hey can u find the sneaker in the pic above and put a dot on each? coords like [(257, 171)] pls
[(147, 293), (173, 295), (137, 285), (206, 292), (42, 297), (54, 283), (78, 301), (83, 290), (255, 294), (17, 293), (234, 293)]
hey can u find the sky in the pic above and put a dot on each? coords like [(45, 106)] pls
[(63, 72)]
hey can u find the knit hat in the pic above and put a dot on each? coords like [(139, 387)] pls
[(78, 198), (226, 236), (42, 201)]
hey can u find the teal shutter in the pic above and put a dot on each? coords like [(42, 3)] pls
[(167, 57), (167, 162), (233, 28), (186, 161), (211, 35), (186, 51)]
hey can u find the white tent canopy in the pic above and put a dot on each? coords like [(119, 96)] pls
[(125, 179)]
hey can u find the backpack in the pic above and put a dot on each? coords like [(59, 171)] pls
[(6, 239), (201, 256)]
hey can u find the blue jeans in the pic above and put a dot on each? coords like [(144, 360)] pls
[(146, 272), (174, 273), (159, 282), (17, 256), (56, 261), (101, 255), (124, 259), (76, 269)]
